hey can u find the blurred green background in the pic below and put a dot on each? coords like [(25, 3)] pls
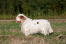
[(33, 8)]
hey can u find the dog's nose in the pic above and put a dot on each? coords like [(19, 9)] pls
[(16, 21)]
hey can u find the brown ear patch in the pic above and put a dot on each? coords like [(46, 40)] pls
[(21, 17)]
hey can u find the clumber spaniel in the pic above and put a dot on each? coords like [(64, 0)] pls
[(30, 26)]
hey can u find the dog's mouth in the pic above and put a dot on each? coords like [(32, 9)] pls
[(18, 21)]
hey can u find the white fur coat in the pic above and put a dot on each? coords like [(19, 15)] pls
[(29, 26)]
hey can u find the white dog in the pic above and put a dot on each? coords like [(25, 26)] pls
[(29, 26)]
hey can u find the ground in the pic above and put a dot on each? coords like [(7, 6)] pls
[(10, 33)]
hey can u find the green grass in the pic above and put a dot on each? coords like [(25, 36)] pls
[(7, 16), (13, 29), (6, 28)]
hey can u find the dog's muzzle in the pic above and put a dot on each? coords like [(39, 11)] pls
[(18, 21)]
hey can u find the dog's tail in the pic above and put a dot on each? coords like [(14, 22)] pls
[(50, 28)]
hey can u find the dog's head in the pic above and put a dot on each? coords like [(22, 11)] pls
[(20, 18)]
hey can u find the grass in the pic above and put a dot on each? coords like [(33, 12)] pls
[(10, 31), (9, 28), (7, 16)]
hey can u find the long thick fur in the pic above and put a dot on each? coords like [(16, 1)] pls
[(29, 26)]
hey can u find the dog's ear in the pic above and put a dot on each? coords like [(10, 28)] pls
[(22, 17)]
